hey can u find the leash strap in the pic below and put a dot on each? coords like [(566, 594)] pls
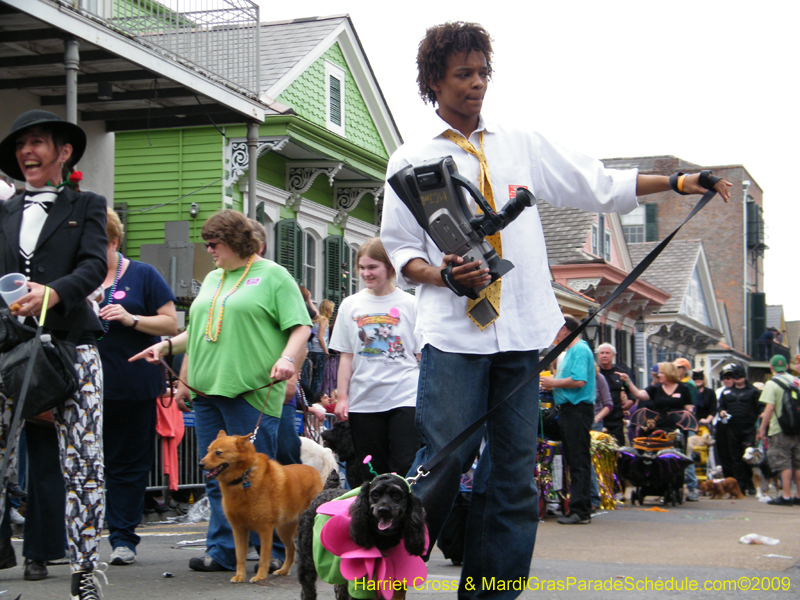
[(424, 470)]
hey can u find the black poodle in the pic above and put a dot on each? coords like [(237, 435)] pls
[(384, 513), (340, 440)]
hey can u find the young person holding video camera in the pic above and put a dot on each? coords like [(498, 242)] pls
[(467, 369)]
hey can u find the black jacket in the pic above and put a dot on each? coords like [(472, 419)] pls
[(70, 256), (742, 404)]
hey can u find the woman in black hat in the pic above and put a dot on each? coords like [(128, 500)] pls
[(56, 237)]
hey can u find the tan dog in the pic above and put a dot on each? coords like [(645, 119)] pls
[(259, 494), (719, 487)]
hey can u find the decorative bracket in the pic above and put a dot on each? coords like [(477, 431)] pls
[(584, 285), (239, 157), (300, 175), (346, 197)]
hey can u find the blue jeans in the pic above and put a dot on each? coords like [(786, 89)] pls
[(454, 391), (236, 417)]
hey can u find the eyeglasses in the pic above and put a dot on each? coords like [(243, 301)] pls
[(727, 377), (212, 245)]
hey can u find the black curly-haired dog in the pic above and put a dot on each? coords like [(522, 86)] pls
[(340, 440), (384, 513)]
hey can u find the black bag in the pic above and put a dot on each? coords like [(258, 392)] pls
[(53, 378), (12, 332), (789, 420), (38, 371)]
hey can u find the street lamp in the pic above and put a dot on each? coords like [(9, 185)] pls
[(591, 330)]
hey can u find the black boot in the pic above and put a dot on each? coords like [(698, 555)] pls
[(8, 558), (34, 570)]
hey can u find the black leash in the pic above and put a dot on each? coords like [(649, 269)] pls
[(424, 470)]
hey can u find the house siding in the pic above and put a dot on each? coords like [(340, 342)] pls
[(306, 95), (160, 166)]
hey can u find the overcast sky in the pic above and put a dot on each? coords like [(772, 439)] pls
[(712, 82)]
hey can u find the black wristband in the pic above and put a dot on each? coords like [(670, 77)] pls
[(707, 180), (169, 341), (455, 287), (673, 183)]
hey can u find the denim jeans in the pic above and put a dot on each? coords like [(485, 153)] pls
[(129, 437), (454, 391), (236, 417)]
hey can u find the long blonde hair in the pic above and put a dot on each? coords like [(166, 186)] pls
[(325, 310)]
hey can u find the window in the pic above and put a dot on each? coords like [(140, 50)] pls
[(633, 225), (355, 280), (639, 225), (310, 265), (334, 98), (607, 247), (594, 239)]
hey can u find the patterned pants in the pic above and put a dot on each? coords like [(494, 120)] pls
[(80, 441)]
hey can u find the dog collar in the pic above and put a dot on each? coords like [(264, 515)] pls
[(244, 479)]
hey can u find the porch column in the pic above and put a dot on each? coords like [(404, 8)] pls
[(71, 64), (252, 159)]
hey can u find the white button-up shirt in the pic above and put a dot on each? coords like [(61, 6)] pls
[(529, 314)]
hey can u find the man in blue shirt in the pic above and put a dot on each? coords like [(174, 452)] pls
[(574, 392)]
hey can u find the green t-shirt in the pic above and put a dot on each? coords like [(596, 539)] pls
[(773, 394), (256, 324)]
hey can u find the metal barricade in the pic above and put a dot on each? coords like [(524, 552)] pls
[(192, 476)]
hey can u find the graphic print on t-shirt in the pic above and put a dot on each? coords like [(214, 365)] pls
[(376, 332)]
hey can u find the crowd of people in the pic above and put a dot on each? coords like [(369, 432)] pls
[(413, 371)]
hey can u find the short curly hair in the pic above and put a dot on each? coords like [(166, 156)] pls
[(234, 230), (439, 43)]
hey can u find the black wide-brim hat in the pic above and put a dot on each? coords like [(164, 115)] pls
[(75, 136)]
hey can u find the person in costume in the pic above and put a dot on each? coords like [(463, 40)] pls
[(247, 327), (137, 308), (470, 363), (56, 237)]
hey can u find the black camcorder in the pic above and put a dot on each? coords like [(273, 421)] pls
[(431, 192)]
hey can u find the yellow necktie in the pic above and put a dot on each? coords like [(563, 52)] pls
[(482, 314)]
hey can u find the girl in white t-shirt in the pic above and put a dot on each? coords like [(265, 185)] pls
[(378, 369)]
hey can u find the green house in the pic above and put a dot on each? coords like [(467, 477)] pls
[(322, 153)]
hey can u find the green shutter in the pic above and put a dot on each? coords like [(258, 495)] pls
[(758, 320), (650, 222), (335, 101), (337, 260), (289, 247)]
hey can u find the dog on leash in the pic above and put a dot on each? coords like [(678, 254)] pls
[(719, 487), (385, 514), (340, 440), (762, 474), (259, 494)]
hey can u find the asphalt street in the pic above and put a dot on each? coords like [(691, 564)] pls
[(627, 553)]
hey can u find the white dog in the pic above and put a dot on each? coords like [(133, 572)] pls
[(314, 455)]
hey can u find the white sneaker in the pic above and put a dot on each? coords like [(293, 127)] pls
[(16, 518), (122, 555), (253, 555)]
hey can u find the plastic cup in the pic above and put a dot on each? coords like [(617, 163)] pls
[(10, 290)]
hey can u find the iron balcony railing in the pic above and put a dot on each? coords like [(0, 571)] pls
[(217, 36)]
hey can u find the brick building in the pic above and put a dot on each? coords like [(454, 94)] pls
[(732, 235)]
